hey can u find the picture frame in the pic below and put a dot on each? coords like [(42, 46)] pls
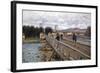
[(67, 19)]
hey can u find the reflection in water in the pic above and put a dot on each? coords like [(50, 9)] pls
[(30, 52)]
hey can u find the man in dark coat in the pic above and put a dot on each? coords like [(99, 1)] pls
[(57, 37), (74, 37)]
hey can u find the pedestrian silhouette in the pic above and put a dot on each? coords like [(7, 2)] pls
[(61, 36), (57, 37), (74, 37)]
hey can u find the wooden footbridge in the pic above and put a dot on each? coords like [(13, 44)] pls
[(69, 50)]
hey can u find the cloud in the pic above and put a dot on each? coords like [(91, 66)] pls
[(64, 20)]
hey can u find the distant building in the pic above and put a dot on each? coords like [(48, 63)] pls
[(50, 34), (54, 34), (73, 30), (42, 36)]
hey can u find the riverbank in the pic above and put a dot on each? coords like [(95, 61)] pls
[(35, 50), (31, 40), (46, 52)]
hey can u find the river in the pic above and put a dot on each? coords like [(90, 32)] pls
[(31, 53)]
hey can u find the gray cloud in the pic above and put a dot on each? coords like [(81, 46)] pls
[(63, 20)]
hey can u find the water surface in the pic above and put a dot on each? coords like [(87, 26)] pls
[(30, 52)]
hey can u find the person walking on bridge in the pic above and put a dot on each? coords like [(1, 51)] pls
[(74, 37), (61, 36), (57, 37)]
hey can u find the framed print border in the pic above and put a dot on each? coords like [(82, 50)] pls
[(14, 35)]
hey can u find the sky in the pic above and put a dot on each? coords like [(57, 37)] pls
[(62, 20)]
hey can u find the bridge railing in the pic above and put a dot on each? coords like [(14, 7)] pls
[(65, 51)]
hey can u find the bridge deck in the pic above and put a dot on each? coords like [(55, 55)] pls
[(67, 51), (80, 46), (78, 41)]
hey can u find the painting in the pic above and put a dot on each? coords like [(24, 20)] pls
[(53, 36)]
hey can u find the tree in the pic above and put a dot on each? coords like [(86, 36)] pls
[(47, 30), (31, 31), (41, 29), (28, 31)]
